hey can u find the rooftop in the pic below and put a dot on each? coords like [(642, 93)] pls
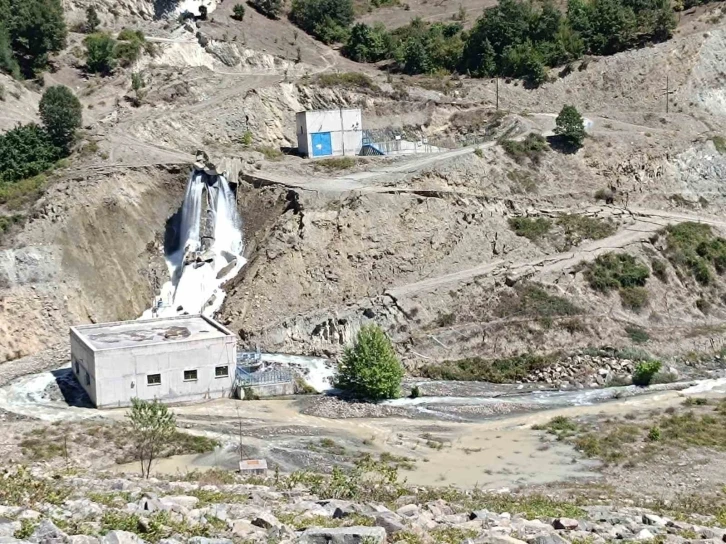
[(146, 332)]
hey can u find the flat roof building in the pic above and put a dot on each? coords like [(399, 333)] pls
[(173, 359), (329, 133)]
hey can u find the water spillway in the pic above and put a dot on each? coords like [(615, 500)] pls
[(208, 249)]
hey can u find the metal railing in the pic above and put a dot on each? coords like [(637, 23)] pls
[(264, 377)]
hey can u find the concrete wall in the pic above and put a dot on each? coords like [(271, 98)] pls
[(122, 374), (269, 390), (345, 127), (84, 365)]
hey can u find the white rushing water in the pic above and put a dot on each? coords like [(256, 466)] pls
[(195, 285)]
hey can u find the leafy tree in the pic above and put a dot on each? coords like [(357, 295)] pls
[(327, 20), (613, 26), (238, 12), (645, 372), (269, 8), (570, 126), (129, 46), (370, 369), (415, 57), (151, 426), (525, 61), (61, 113), (368, 44), (26, 151), (100, 53), (92, 20), (36, 28), (7, 60)]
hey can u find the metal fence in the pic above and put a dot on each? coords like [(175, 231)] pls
[(264, 377)]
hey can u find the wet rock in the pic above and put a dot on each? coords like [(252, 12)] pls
[(226, 269), (567, 524), (344, 535)]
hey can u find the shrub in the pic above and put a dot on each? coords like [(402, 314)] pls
[(532, 147), (26, 151), (92, 20), (347, 80), (61, 113), (569, 125), (152, 426), (327, 20), (506, 370), (615, 271), (100, 53), (415, 392), (531, 300), (645, 371), (336, 163), (581, 227), (238, 12), (246, 139), (634, 298), (693, 247), (130, 45), (719, 142), (269, 8), (368, 43), (478, 152), (637, 335), (531, 228), (370, 368), (659, 270), (270, 153)]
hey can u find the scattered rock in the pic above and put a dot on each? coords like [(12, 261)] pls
[(567, 524), (344, 535)]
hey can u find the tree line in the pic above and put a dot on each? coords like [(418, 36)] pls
[(516, 38)]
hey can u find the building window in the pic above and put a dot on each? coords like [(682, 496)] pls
[(78, 367), (190, 375), (153, 379), (88, 379), (221, 372)]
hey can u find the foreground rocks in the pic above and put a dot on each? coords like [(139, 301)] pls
[(134, 511)]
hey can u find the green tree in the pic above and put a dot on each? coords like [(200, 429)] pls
[(645, 372), (415, 56), (570, 126), (26, 151), (137, 85), (100, 53), (525, 61), (61, 113), (327, 20), (368, 44), (238, 12), (151, 426), (8, 63), (36, 28), (92, 20), (269, 8), (370, 368)]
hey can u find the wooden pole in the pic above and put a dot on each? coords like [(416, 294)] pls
[(667, 93), (497, 94)]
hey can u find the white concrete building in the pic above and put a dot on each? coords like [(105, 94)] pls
[(176, 359), (329, 133)]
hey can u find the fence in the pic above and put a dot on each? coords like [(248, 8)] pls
[(266, 377)]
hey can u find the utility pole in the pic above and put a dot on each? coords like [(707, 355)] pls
[(668, 93), (497, 94)]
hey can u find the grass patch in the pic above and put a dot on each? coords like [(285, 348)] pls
[(637, 335), (533, 147), (19, 488), (158, 526), (660, 270), (559, 426), (505, 370), (622, 272), (693, 249), (41, 449), (335, 164), (719, 142), (577, 228), (16, 195), (523, 182), (452, 535), (300, 523), (270, 153), (634, 298), (347, 80), (534, 229), (531, 300), (117, 499)]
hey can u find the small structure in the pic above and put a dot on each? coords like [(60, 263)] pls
[(174, 359), (330, 133), (256, 467)]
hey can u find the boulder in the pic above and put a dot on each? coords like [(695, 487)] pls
[(121, 537), (644, 534), (183, 502), (567, 524), (343, 535), (48, 533), (243, 529), (548, 538), (266, 521), (8, 528), (390, 522), (652, 519), (408, 510), (83, 539)]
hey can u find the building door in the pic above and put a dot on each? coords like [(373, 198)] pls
[(322, 144)]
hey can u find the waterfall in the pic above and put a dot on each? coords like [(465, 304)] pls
[(197, 270)]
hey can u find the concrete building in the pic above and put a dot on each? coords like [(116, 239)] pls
[(330, 133), (175, 359)]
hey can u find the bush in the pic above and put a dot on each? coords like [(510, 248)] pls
[(532, 147), (506, 370), (368, 44), (129, 46), (335, 163), (581, 227), (634, 298), (61, 113), (100, 53), (370, 369), (92, 20), (645, 371), (570, 126), (659, 270), (269, 8), (531, 228), (637, 335), (615, 271), (531, 300), (694, 248), (327, 20), (238, 12), (347, 80), (34, 29), (26, 151)]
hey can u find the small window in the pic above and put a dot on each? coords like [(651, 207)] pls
[(88, 379), (190, 375), (221, 372), (78, 367), (153, 379)]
